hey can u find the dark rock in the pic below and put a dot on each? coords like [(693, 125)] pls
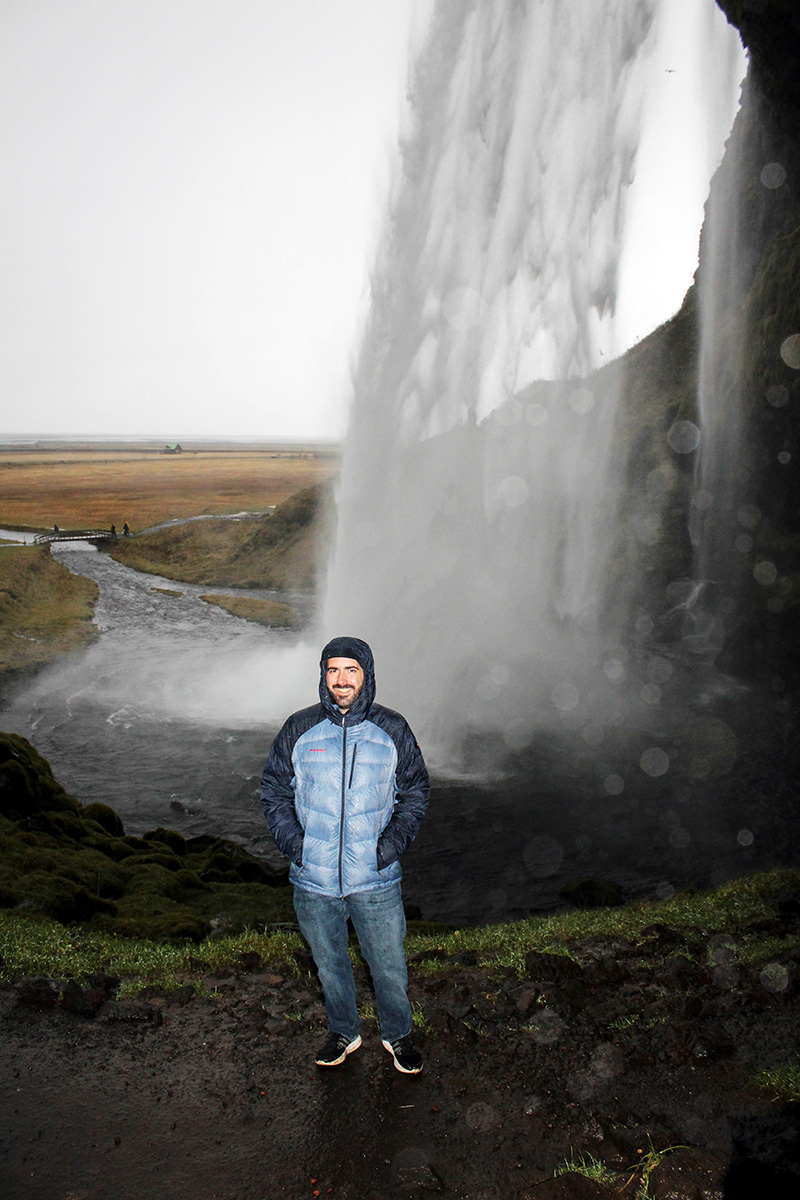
[(37, 992), (593, 893), (74, 1000), (130, 1011), (250, 961), (551, 968), (182, 995)]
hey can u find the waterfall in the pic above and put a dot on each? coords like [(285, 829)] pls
[(481, 474)]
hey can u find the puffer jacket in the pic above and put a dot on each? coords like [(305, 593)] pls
[(344, 795)]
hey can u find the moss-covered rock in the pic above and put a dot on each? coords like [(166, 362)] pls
[(77, 864)]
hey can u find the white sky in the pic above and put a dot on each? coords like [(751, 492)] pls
[(191, 196)]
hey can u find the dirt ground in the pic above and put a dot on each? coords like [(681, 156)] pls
[(218, 1098)]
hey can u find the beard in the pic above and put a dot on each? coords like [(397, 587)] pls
[(347, 696)]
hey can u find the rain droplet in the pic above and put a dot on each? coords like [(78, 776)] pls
[(547, 1027), (702, 500), (644, 625), (613, 669), (665, 891), (784, 457), (565, 696), (778, 396), (659, 669), (749, 516), (790, 351), (765, 573), (681, 591), (651, 693), (499, 675), (542, 857), (773, 175), (614, 784), (517, 735), (513, 491), (684, 437), (744, 543), (654, 762), (592, 734), (745, 837), (581, 401)]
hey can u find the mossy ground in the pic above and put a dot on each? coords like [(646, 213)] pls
[(45, 610)]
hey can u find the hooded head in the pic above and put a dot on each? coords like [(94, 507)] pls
[(348, 647)]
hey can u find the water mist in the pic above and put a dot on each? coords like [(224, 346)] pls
[(481, 475)]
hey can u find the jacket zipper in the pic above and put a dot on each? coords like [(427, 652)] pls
[(341, 815), (352, 766)]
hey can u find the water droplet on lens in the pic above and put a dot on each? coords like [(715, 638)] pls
[(744, 543), (592, 734), (745, 837), (651, 693), (542, 857), (784, 457), (614, 784), (702, 500), (482, 1117), (659, 669), (613, 669), (790, 351), (773, 175), (665, 891), (581, 401), (684, 437), (565, 696), (778, 396), (749, 515), (654, 762), (765, 573), (680, 838), (513, 491), (775, 977)]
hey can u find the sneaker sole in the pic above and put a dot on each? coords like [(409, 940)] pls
[(337, 1062), (405, 1070)]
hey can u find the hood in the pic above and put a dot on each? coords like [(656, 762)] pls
[(348, 647)]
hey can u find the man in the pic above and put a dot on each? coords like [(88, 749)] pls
[(344, 792)]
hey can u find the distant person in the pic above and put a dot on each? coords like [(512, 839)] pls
[(55, 530), (126, 530), (114, 532), (344, 792)]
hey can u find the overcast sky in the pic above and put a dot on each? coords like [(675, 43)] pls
[(191, 196)]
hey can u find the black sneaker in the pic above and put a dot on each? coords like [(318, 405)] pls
[(336, 1049), (407, 1057)]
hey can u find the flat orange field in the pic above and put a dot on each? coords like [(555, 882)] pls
[(94, 488)]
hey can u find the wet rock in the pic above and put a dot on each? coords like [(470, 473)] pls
[(38, 991)]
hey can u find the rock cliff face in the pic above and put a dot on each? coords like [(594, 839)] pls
[(754, 369)]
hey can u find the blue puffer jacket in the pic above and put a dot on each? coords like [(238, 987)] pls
[(344, 796)]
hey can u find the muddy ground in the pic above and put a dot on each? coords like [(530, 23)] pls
[(612, 1056)]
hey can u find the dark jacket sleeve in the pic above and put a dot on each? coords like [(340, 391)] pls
[(277, 795), (412, 789)]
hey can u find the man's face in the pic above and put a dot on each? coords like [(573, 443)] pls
[(345, 679)]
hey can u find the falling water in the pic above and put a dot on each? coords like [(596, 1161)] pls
[(481, 475)]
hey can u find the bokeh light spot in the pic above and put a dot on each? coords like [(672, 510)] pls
[(790, 351), (654, 762), (684, 437)]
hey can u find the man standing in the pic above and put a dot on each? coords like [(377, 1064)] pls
[(344, 792)]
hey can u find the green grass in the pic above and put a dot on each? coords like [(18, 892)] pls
[(38, 946), (783, 1082), (731, 908), (270, 613)]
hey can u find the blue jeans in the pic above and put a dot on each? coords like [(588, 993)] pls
[(380, 924)]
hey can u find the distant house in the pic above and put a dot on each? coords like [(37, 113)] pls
[(176, 449)]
